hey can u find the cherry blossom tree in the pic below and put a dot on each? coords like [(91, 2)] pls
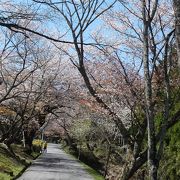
[(126, 71)]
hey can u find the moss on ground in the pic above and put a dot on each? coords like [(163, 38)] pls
[(11, 167)]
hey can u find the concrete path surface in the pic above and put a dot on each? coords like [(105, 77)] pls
[(55, 165)]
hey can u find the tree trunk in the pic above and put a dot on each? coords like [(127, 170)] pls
[(148, 94), (107, 161), (176, 4), (149, 116), (29, 136)]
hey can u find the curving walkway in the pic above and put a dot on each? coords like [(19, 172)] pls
[(55, 165)]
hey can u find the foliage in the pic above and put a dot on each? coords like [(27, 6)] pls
[(171, 156), (81, 129), (37, 145)]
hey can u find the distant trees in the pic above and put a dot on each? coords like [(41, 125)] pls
[(26, 78), (17, 66)]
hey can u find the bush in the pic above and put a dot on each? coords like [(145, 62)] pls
[(37, 145)]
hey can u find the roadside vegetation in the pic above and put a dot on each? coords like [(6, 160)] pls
[(12, 165), (94, 173)]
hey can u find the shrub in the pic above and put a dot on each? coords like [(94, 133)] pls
[(37, 145)]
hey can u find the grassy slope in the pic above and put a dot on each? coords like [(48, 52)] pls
[(9, 167), (90, 170)]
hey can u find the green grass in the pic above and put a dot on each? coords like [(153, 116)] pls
[(90, 170), (9, 166), (20, 151), (4, 176)]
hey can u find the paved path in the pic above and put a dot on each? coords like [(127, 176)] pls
[(55, 165)]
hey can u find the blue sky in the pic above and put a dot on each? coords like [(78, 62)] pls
[(60, 25)]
